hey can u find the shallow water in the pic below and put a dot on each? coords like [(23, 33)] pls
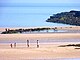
[(31, 15), (42, 40)]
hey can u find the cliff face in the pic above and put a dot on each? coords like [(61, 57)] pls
[(72, 18)]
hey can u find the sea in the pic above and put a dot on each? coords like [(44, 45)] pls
[(32, 14)]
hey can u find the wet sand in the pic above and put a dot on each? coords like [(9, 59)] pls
[(47, 51)]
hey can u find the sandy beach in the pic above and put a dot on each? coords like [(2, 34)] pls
[(48, 45), (46, 51)]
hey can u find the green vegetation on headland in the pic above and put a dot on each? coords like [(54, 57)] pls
[(71, 18)]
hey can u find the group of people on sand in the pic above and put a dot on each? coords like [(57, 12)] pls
[(37, 43), (11, 45)]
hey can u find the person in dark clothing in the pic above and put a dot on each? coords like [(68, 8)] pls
[(27, 43), (14, 44), (37, 44), (11, 45)]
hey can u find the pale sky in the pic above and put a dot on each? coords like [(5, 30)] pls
[(40, 1)]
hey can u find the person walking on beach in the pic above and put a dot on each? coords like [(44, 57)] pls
[(11, 45), (37, 44), (14, 45), (27, 43)]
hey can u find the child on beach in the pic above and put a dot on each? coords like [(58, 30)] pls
[(27, 43), (37, 44), (14, 44), (11, 45)]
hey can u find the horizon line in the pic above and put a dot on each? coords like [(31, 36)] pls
[(39, 5)]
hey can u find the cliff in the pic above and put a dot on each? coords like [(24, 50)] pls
[(72, 18)]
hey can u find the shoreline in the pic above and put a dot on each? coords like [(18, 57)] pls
[(63, 29), (47, 50)]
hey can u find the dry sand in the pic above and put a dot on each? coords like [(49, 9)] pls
[(45, 51), (39, 36)]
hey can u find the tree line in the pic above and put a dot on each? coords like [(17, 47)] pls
[(71, 18)]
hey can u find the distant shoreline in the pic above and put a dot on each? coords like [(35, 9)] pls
[(68, 29)]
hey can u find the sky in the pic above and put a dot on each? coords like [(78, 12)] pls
[(39, 1)]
